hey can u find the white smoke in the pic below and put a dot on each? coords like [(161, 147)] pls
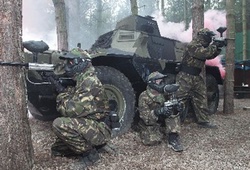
[(39, 22)]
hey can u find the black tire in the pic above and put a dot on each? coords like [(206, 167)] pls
[(212, 94), (119, 89)]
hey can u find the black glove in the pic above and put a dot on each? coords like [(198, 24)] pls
[(58, 86), (219, 43), (165, 111), (179, 107)]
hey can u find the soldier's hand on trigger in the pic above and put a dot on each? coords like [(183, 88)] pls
[(165, 111), (59, 88), (219, 43)]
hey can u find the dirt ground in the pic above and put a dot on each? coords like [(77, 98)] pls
[(226, 148)]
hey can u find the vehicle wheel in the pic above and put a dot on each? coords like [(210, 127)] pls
[(212, 94), (118, 90)]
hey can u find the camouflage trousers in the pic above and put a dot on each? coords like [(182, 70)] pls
[(194, 86), (154, 133), (79, 134)]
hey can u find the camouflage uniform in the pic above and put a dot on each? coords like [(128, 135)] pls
[(153, 128), (82, 108), (193, 84)]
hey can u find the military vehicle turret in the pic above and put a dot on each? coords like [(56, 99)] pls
[(123, 59)]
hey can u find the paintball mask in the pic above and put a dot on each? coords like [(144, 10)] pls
[(205, 36), (74, 64), (155, 81)]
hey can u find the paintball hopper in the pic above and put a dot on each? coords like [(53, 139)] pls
[(35, 46), (170, 88), (221, 30)]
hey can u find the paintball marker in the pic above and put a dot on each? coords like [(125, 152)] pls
[(41, 68), (46, 71), (35, 47), (173, 102), (220, 41)]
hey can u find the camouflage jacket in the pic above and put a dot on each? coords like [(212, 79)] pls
[(195, 54), (86, 99), (149, 100)]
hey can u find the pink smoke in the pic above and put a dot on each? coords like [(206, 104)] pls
[(217, 62), (213, 19)]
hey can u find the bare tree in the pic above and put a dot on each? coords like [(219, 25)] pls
[(99, 18), (73, 22), (16, 146), (197, 16), (134, 7), (162, 7), (244, 29), (61, 24), (157, 4), (186, 14), (228, 106)]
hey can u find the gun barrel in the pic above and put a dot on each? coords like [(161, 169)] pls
[(16, 64), (40, 67)]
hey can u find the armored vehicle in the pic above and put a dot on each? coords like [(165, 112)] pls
[(123, 59)]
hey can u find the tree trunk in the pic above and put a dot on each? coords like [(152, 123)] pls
[(134, 7), (186, 14), (157, 4), (162, 7), (197, 16), (99, 18), (73, 22), (16, 146), (61, 24), (244, 29), (228, 106)]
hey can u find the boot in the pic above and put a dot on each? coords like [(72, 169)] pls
[(174, 142), (107, 148), (59, 148), (207, 125), (89, 158)]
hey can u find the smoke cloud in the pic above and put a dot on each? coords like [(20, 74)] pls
[(39, 22), (213, 19)]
